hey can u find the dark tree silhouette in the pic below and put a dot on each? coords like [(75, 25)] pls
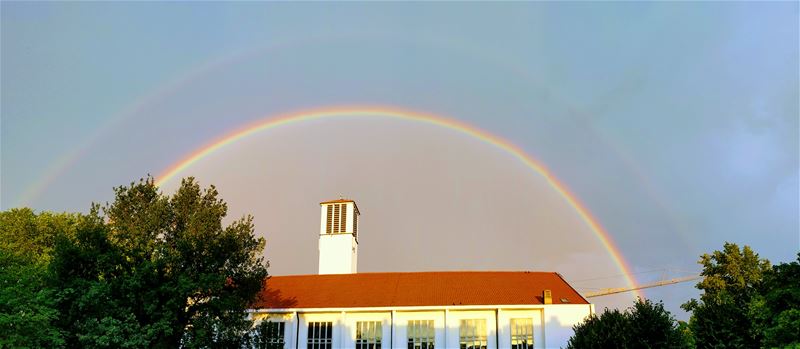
[(156, 271), (645, 325)]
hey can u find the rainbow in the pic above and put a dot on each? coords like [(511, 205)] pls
[(397, 113)]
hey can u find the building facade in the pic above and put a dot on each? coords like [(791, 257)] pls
[(340, 308)]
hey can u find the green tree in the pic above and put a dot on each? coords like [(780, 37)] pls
[(731, 279), (688, 338), (776, 310), (31, 236), (26, 303), (645, 325), (156, 271)]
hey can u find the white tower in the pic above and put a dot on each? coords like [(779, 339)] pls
[(338, 237)]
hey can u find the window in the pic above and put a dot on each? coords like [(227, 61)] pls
[(521, 333), (320, 335), (368, 335), (421, 334), (472, 334), (269, 335)]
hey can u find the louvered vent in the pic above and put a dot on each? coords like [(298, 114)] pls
[(336, 219), (330, 219), (343, 223), (336, 216)]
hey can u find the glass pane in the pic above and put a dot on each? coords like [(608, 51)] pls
[(370, 330), (431, 334)]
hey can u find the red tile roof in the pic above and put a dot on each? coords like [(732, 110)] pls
[(414, 289)]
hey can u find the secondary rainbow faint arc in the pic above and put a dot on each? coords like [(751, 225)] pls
[(397, 113)]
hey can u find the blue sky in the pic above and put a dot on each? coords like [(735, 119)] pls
[(675, 123)]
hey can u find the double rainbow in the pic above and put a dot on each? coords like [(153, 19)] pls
[(425, 118)]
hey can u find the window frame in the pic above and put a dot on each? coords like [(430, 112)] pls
[(374, 334), (315, 328), (417, 341), (473, 333), (526, 336)]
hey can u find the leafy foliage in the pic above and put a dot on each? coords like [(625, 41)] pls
[(26, 304), (776, 310), (645, 325), (30, 236), (686, 332), (732, 272), (158, 271), (732, 278), (26, 307)]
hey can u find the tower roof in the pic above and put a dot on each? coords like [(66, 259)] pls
[(341, 201), (415, 289)]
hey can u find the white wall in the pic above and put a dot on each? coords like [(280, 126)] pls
[(337, 254), (552, 324), (558, 322)]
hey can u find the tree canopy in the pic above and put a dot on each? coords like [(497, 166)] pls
[(731, 279), (31, 236), (158, 271), (26, 304), (776, 309), (645, 325)]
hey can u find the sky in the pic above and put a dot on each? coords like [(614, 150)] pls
[(674, 124)]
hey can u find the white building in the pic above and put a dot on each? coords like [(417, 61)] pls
[(340, 308)]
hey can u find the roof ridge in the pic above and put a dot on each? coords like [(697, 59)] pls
[(427, 272), (573, 288)]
